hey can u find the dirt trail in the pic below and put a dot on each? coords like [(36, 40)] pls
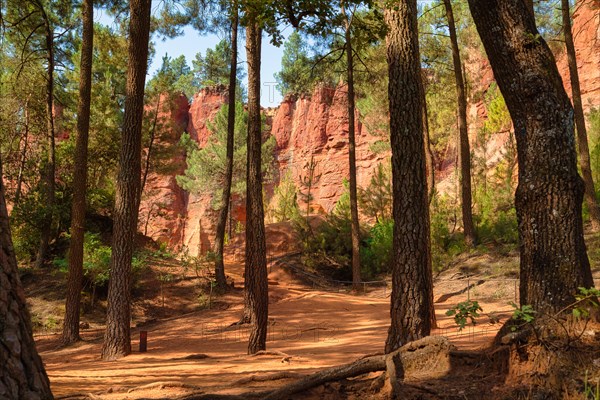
[(309, 330)]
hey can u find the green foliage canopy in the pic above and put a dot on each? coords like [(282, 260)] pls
[(205, 171)]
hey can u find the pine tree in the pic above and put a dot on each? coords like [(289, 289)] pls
[(117, 341), (463, 133), (255, 284), (549, 196), (412, 287), (296, 67), (229, 154), (22, 375), (70, 332), (582, 137)]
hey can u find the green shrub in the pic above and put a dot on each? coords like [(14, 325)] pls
[(463, 312), (496, 220), (329, 248), (96, 263), (29, 219), (594, 138), (26, 222), (446, 243), (286, 200), (376, 254)]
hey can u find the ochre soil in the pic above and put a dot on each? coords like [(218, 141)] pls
[(309, 329)]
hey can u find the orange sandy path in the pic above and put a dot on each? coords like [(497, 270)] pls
[(316, 328)]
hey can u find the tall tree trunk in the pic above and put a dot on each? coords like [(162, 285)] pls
[(50, 162), (582, 138), (529, 4), (429, 165), (70, 332), (355, 226), (549, 195), (225, 200), (23, 155), (22, 375), (127, 198), (256, 295), (463, 134), (412, 288), (150, 147)]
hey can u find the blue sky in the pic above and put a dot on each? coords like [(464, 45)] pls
[(191, 43)]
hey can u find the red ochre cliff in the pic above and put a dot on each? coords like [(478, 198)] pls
[(303, 127), (315, 127)]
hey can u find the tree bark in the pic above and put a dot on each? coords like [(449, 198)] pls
[(50, 167), (127, 199), (582, 138), (256, 295), (355, 225), (225, 199), (429, 161), (412, 289), (22, 375), (70, 332), (463, 134), (530, 8), (549, 195)]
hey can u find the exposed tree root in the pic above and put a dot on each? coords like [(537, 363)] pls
[(162, 385), (424, 355), (359, 367), (415, 355), (285, 357), (244, 320), (269, 353), (203, 396), (266, 378)]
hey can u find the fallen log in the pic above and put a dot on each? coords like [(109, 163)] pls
[(424, 355), (265, 378), (428, 355), (163, 385), (363, 366)]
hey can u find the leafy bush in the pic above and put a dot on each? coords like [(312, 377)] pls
[(329, 247), (29, 219), (446, 243), (496, 220), (96, 263), (594, 138), (376, 199), (462, 312), (376, 255), (285, 199)]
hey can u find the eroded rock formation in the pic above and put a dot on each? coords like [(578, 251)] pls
[(316, 127)]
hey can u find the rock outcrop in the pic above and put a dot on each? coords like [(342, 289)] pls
[(316, 127), (163, 204), (205, 105), (307, 127)]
